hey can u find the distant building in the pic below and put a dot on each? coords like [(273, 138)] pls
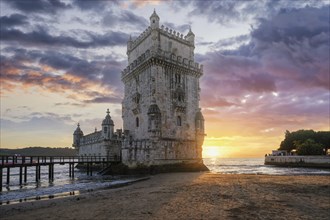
[(162, 121)]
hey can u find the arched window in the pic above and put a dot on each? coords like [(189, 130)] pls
[(178, 121), (137, 122)]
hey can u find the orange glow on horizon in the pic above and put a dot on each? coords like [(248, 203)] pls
[(213, 152)]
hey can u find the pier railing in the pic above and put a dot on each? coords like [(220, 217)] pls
[(17, 161), (23, 162)]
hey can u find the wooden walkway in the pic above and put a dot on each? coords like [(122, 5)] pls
[(23, 162)]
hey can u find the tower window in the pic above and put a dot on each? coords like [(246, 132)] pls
[(137, 122), (178, 121), (153, 21), (105, 130)]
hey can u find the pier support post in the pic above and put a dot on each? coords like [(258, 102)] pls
[(20, 175), (52, 172), (0, 179), (8, 175), (37, 173), (49, 172), (25, 174)]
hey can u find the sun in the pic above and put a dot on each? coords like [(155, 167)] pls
[(211, 151)]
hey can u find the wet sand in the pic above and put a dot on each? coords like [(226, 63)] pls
[(191, 196)]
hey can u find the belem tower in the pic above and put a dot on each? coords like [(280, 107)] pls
[(162, 121)]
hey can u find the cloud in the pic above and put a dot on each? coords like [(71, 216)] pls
[(124, 17), (232, 41), (290, 55), (41, 37), (61, 73), (279, 78), (229, 12), (38, 6), (104, 99), (13, 20)]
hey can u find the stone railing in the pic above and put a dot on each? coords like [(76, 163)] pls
[(141, 37), (164, 55), (174, 34), (165, 30), (91, 138)]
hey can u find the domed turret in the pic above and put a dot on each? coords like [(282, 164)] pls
[(107, 120), (107, 126), (77, 134), (154, 20)]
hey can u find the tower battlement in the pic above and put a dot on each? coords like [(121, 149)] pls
[(163, 57), (164, 30)]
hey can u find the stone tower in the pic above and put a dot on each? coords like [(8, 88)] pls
[(162, 120)]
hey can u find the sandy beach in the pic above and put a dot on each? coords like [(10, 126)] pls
[(200, 195)]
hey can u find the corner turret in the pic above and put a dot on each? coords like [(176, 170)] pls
[(199, 122), (107, 126), (190, 37), (77, 135), (129, 45), (154, 20)]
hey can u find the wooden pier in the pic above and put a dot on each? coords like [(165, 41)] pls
[(23, 162)]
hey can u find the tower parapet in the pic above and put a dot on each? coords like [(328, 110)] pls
[(162, 57)]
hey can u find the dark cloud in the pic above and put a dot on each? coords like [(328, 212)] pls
[(38, 6), (96, 5), (41, 37), (13, 20), (231, 41), (85, 79), (104, 99), (227, 12), (286, 54)]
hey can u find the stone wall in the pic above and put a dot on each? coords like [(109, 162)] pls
[(299, 161)]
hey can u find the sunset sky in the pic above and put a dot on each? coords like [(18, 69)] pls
[(266, 68)]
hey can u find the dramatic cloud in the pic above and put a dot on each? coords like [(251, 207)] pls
[(57, 72), (39, 6), (13, 20), (41, 37), (124, 18), (266, 65), (228, 12), (282, 73)]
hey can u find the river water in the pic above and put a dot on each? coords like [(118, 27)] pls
[(256, 166), (63, 185)]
